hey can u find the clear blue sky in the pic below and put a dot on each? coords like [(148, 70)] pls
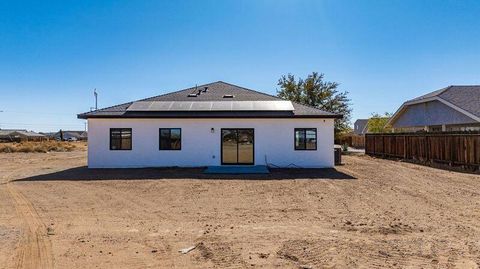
[(52, 55)]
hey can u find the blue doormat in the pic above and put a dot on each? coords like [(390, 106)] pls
[(236, 169)]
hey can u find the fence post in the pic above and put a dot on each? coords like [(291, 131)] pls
[(475, 151), (383, 146), (374, 145), (453, 147), (427, 149)]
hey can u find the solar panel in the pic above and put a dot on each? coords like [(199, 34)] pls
[(201, 106), (140, 106), (286, 106), (245, 105), (160, 106), (211, 106), (222, 106), (180, 106)]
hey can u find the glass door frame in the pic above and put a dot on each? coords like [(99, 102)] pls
[(236, 130)]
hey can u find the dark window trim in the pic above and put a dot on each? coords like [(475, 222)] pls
[(121, 130), (221, 146), (160, 137), (304, 138)]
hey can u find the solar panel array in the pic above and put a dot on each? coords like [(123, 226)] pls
[(211, 106)]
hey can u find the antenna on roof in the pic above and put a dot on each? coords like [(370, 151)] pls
[(96, 98), (197, 90)]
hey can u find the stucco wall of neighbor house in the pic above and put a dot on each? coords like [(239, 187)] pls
[(430, 113), (274, 139)]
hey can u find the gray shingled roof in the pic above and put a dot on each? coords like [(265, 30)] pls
[(8, 132), (216, 91), (361, 123), (464, 97)]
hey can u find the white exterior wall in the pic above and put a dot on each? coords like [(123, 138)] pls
[(274, 138)]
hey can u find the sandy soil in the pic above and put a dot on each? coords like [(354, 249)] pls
[(369, 213)]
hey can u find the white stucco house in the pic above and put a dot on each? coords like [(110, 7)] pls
[(210, 125)]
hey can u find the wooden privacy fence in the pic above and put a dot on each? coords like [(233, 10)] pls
[(447, 148), (353, 140)]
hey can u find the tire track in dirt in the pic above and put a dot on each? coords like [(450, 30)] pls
[(34, 250)]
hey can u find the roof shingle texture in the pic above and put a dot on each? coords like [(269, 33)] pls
[(215, 92), (464, 97)]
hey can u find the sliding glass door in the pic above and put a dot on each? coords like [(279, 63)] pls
[(237, 146)]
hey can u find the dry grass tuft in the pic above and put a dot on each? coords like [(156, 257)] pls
[(41, 147)]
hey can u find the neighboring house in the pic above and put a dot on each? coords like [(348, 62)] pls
[(50, 135), (69, 135), (454, 108), (210, 125), (360, 127), (17, 135)]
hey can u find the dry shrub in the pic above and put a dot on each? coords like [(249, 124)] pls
[(6, 148), (27, 147), (40, 147)]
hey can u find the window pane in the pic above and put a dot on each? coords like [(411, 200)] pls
[(245, 146), (175, 139), (126, 143), (116, 132), (126, 139), (115, 143), (171, 139), (229, 146), (164, 138), (127, 133), (311, 142), (300, 139), (120, 139)]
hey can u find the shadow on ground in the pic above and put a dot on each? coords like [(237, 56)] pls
[(84, 173)]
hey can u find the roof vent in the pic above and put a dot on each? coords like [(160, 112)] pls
[(205, 89), (192, 95), (228, 96)]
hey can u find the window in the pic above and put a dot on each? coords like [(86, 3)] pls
[(171, 139), (120, 138), (305, 139)]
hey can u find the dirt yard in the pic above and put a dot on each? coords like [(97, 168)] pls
[(369, 213)]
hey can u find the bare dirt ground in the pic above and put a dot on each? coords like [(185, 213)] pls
[(369, 213)]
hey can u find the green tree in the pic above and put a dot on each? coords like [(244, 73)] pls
[(378, 123), (314, 91)]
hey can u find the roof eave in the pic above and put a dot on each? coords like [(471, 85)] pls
[(83, 116)]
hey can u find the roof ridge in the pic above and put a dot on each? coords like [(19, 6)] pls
[(465, 85), (443, 90), (428, 95), (241, 87), (169, 93)]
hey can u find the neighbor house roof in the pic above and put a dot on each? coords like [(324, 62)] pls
[(29, 133), (77, 134), (10, 132), (465, 99), (216, 92), (362, 126)]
